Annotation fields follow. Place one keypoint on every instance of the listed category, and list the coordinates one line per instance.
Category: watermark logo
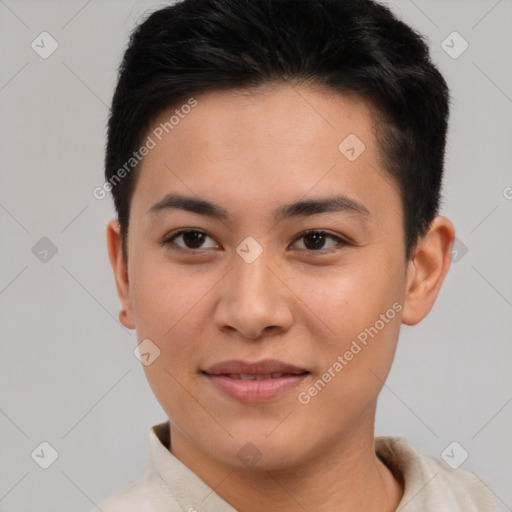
(44, 250)
(459, 250)
(44, 45)
(44, 455)
(454, 45)
(249, 250)
(454, 455)
(249, 455)
(146, 352)
(352, 147)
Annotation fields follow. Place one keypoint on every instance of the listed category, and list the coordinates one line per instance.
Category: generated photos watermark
(151, 142)
(355, 348)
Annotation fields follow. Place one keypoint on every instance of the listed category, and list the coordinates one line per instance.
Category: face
(320, 289)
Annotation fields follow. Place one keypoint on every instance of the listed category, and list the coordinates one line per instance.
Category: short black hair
(349, 46)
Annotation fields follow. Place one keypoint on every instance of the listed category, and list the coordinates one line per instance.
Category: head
(237, 120)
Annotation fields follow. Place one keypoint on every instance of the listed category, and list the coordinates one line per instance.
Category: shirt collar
(187, 488)
(427, 482)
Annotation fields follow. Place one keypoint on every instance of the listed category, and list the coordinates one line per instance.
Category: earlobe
(120, 269)
(427, 270)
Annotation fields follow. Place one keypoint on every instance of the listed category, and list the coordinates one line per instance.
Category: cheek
(165, 296)
(347, 298)
(354, 313)
(167, 306)
(171, 308)
(355, 354)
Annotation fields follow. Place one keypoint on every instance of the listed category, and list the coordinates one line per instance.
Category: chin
(260, 453)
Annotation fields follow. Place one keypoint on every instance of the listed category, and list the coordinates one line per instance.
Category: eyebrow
(339, 203)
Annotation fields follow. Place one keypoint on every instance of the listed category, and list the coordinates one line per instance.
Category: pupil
(193, 238)
(318, 240)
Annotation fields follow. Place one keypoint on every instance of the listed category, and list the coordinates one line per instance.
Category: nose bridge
(251, 275)
(253, 297)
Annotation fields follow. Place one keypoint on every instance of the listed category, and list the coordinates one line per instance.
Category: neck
(345, 476)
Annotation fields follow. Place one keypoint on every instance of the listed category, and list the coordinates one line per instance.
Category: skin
(250, 153)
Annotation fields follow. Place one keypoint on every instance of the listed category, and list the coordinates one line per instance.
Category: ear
(120, 269)
(427, 270)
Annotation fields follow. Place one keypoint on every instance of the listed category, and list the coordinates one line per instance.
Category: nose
(255, 300)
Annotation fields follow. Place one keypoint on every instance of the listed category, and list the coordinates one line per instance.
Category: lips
(267, 367)
(255, 382)
(246, 376)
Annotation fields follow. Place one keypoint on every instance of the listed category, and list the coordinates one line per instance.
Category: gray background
(68, 375)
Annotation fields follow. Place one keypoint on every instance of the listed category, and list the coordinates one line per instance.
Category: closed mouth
(246, 376)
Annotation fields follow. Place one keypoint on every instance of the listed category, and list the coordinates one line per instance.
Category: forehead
(279, 115)
(254, 147)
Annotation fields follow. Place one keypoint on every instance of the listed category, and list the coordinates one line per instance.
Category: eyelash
(169, 240)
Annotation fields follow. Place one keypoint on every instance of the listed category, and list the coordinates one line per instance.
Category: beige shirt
(170, 486)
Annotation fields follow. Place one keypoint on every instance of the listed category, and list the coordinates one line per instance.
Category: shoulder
(430, 484)
(142, 494)
(127, 499)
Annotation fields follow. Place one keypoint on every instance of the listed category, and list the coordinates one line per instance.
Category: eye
(314, 241)
(191, 238)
